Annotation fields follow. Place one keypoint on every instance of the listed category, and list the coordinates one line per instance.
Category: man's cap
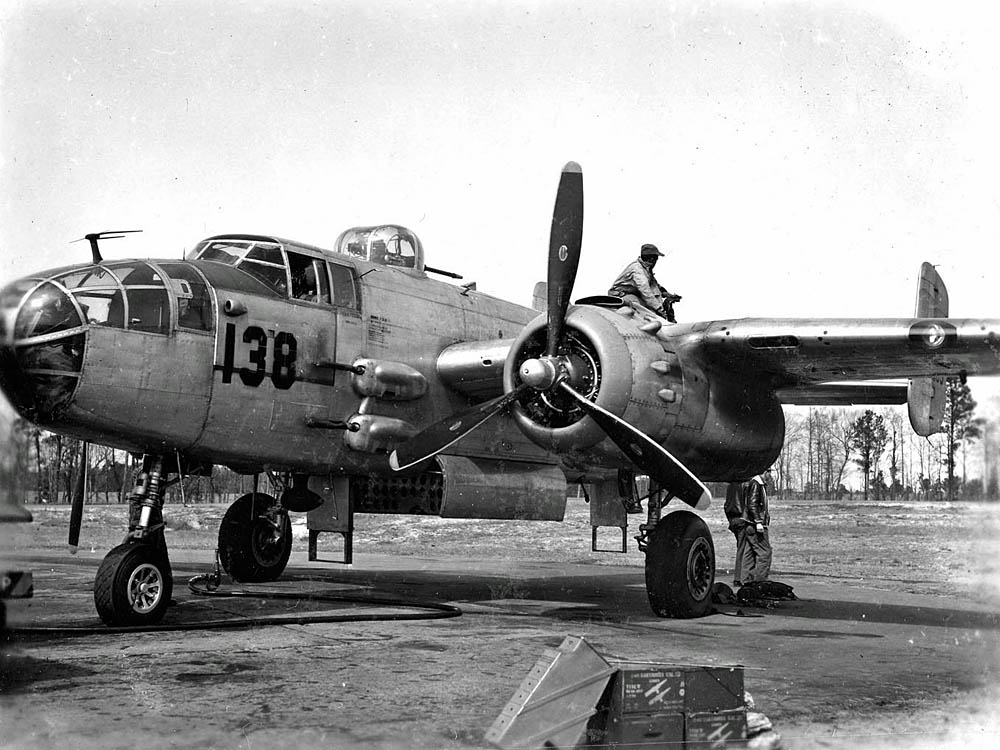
(649, 251)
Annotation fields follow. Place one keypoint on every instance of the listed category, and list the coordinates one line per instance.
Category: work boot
(632, 505)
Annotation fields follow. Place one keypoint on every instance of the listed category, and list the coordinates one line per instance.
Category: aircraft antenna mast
(110, 234)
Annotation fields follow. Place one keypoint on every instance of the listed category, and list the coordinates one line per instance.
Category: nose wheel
(133, 585)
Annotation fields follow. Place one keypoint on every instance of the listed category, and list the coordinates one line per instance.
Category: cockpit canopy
(289, 269)
(387, 244)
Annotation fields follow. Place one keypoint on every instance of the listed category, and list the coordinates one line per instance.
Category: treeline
(828, 454)
(42, 467)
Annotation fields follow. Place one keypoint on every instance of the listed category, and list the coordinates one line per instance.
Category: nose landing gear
(134, 583)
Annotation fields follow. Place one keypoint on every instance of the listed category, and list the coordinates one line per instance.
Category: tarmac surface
(850, 664)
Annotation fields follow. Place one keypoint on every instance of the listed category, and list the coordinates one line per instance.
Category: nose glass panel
(10, 303)
(47, 310)
(41, 357)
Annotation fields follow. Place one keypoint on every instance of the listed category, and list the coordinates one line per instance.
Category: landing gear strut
(680, 562)
(134, 583)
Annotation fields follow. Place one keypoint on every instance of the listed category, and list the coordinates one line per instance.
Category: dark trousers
(753, 555)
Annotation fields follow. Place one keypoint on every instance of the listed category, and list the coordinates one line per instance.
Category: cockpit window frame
(264, 271)
(339, 272)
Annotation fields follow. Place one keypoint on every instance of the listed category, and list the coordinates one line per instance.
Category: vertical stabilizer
(932, 295)
(540, 296)
(926, 396)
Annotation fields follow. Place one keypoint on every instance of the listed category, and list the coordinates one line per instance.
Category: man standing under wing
(754, 545)
(734, 509)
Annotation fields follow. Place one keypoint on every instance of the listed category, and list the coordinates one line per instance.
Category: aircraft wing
(833, 358)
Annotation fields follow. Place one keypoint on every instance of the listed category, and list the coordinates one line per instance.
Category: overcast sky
(795, 158)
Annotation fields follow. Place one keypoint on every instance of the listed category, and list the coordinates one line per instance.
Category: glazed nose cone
(41, 347)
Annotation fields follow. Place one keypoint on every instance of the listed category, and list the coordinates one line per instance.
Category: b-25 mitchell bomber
(358, 384)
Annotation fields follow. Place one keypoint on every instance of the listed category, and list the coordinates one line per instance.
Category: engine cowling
(608, 359)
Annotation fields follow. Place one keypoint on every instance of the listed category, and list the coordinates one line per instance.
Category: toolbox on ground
(667, 706)
(573, 697)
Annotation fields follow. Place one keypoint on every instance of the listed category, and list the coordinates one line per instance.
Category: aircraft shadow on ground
(619, 596)
(888, 614)
(610, 595)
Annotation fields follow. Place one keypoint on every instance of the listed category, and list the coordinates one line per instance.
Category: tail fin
(540, 296)
(925, 396)
(932, 295)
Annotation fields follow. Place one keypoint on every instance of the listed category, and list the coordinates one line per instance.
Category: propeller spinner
(551, 370)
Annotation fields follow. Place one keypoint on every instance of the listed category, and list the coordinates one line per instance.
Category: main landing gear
(255, 539)
(680, 562)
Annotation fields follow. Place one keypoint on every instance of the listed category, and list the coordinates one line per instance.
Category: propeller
(434, 439)
(550, 371)
(647, 454)
(565, 239)
(79, 492)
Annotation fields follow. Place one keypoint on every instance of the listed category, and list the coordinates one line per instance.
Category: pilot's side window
(319, 267)
(344, 288)
(265, 263)
(309, 281)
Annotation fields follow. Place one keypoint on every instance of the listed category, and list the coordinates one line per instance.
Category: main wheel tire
(680, 566)
(133, 585)
(251, 549)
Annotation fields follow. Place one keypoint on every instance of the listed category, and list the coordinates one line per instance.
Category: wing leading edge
(809, 355)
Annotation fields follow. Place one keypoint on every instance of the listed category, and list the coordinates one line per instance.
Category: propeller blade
(564, 250)
(434, 439)
(79, 492)
(651, 457)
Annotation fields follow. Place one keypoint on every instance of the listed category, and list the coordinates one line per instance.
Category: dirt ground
(894, 643)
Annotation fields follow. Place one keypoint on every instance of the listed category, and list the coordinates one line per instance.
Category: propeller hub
(540, 373)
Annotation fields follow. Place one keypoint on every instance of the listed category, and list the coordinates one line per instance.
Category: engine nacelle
(721, 429)
(610, 362)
